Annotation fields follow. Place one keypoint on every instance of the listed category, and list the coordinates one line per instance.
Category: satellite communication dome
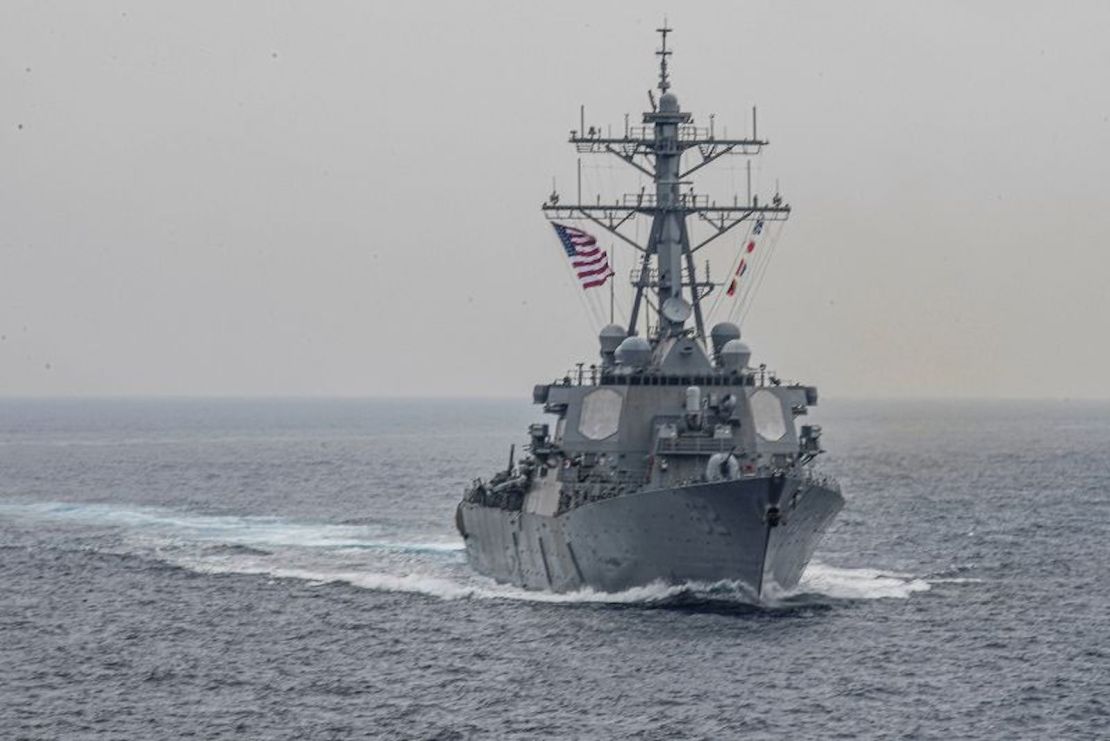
(668, 103)
(735, 355)
(634, 352)
(610, 338)
(721, 334)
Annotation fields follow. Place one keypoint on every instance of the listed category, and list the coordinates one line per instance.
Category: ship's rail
(638, 276)
(595, 375)
(694, 445)
(650, 200)
(618, 478)
(817, 477)
(641, 140)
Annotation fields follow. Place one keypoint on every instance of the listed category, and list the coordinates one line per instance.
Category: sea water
(290, 569)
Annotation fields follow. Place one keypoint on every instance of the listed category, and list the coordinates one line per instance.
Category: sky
(342, 198)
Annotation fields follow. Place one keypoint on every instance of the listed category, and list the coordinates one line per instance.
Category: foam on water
(366, 557)
(819, 580)
(446, 587)
(859, 583)
(225, 529)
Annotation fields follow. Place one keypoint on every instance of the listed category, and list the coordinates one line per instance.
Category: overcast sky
(342, 198)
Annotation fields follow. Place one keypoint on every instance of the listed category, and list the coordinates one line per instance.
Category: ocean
(286, 569)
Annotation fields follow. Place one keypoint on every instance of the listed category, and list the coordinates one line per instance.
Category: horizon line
(487, 397)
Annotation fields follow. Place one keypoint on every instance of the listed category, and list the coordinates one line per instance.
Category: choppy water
(289, 569)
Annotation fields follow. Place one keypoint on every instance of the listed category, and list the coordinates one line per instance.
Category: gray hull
(707, 532)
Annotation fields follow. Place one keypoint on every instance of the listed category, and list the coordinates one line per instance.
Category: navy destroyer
(672, 459)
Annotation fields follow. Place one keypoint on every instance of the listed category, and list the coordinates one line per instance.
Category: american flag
(588, 260)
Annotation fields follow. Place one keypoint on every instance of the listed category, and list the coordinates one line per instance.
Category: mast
(656, 150)
(668, 222)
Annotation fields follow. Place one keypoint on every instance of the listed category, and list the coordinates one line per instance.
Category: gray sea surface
(290, 569)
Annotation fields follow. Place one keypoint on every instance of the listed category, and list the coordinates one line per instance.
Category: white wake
(370, 556)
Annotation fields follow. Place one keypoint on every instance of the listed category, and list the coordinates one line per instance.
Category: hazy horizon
(524, 400)
(342, 200)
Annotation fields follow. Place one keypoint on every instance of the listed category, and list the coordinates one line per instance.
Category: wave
(373, 556)
(819, 584)
(855, 583)
(232, 549)
(244, 530)
(446, 587)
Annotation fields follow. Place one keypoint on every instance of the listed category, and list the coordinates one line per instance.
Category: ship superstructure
(671, 459)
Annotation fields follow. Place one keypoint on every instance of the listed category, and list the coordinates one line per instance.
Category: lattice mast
(656, 149)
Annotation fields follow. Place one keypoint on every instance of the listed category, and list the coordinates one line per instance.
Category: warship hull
(757, 532)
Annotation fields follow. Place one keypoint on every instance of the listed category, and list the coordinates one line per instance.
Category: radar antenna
(663, 53)
(666, 271)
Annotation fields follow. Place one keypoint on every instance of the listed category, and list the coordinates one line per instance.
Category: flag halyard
(748, 248)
